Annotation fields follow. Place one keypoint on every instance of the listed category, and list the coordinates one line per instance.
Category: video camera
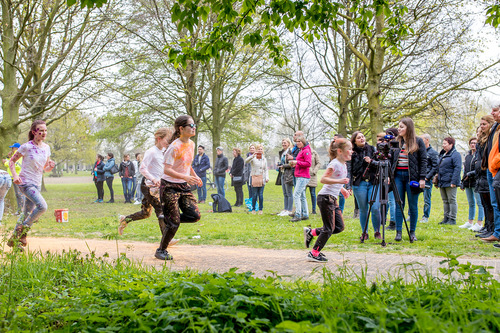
(384, 148)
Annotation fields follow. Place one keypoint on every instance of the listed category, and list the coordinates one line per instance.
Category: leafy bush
(71, 293)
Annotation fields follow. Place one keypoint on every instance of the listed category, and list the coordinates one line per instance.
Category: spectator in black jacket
(409, 167)
(432, 161)
(237, 176)
(362, 183)
(449, 167)
(482, 186)
(98, 176)
(201, 163)
(127, 173)
(220, 168)
(469, 184)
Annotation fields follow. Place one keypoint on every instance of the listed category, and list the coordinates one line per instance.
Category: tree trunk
(374, 78)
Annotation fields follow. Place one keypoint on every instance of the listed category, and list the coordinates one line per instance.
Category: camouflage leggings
(149, 202)
(177, 198)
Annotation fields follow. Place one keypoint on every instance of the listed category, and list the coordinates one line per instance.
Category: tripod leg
(397, 198)
(371, 202)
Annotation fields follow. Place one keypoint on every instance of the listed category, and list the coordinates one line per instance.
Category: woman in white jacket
(260, 177)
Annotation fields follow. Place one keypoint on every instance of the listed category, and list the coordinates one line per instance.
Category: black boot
(444, 221)
(399, 236)
(392, 225)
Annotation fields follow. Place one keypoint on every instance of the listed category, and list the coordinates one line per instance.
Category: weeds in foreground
(75, 293)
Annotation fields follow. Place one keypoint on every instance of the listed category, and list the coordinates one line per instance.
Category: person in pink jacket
(302, 164)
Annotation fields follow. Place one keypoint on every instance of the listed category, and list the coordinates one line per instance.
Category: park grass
(100, 221)
(74, 293)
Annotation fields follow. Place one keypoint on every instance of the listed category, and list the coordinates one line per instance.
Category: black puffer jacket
(481, 178)
(469, 181)
(417, 161)
(357, 165)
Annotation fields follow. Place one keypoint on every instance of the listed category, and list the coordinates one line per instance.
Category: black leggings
(149, 202)
(177, 198)
(109, 182)
(488, 210)
(239, 194)
(333, 222)
(100, 189)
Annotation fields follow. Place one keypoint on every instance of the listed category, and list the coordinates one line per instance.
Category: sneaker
(320, 258)
(497, 245)
(254, 212)
(296, 219)
(451, 222)
(305, 218)
(163, 255)
(424, 220)
(173, 242)
(282, 213)
(100, 201)
(466, 225)
(364, 237)
(412, 236)
(260, 212)
(444, 221)
(377, 235)
(308, 237)
(110, 201)
(137, 202)
(392, 225)
(123, 224)
(399, 236)
(476, 227)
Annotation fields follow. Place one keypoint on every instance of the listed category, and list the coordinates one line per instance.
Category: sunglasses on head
(193, 125)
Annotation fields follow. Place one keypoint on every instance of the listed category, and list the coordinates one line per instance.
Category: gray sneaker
(163, 255)
(424, 220)
(320, 258)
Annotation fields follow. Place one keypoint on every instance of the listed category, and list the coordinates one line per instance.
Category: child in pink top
(176, 183)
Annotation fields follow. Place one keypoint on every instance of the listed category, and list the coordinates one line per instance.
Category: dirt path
(289, 263)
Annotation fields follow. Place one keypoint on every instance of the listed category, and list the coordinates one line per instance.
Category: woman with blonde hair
(286, 177)
(259, 176)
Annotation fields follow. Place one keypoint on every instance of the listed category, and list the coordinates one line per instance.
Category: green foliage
(70, 292)
(493, 13)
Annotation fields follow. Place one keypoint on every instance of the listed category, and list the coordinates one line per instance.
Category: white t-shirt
(180, 156)
(34, 159)
(339, 172)
(152, 164)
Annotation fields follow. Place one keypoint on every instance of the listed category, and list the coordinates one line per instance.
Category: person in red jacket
(302, 165)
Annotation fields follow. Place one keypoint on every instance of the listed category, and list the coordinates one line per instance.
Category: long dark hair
(31, 136)
(411, 136)
(180, 121)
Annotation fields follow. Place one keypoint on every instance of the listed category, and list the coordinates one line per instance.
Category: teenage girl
(334, 179)
(176, 183)
(36, 160)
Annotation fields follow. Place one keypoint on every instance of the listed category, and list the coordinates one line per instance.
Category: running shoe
(320, 258)
(308, 237)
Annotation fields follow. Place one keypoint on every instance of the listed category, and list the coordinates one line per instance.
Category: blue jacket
(201, 167)
(109, 164)
(449, 168)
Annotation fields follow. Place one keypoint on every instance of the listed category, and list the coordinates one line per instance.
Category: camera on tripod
(384, 147)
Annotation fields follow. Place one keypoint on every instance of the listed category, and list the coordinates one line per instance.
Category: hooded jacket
(303, 162)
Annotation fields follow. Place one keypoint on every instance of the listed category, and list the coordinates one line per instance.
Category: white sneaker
(476, 227)
(424, 220)
(137, 202)
(284, 213)
(466, 225)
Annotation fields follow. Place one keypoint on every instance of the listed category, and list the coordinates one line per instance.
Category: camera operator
(469, 184)
(362, 183)
(409, 167)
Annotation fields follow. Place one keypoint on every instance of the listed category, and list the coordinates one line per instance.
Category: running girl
(334, 179)
(152, 170)
(35, 154)
(175, 183)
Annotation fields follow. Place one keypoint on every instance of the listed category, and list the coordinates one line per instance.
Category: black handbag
(278, 179)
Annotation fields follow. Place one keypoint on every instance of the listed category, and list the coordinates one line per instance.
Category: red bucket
(62, 215)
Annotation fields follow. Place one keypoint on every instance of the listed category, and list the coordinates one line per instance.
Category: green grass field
(89, 220)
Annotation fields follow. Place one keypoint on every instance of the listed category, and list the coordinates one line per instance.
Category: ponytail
(179, 122)
(341, 144)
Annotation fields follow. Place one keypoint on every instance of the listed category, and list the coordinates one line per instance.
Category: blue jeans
(392, 206)
(341, 202)
(138, 193)
(19, 198)
(134, 187)
(299, 196)
(258, 192)
(402, 180)
(287, 194)
(34, 204)
(250, 188)
(472, 199)
(202, 191)
(5, 184)
(219, 182)
(127, 184)
(496, 211)
(427, 199)
(313, 198)
(363, 193)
